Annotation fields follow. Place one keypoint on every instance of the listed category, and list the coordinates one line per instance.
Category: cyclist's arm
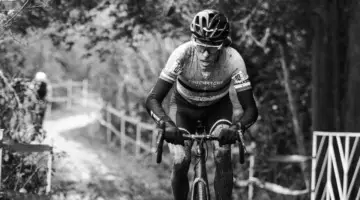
(243, 89)
(248, 104)
(164, 83)
(155, 99)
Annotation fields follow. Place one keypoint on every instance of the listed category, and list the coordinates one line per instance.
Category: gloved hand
(228, 135)
(173, 134)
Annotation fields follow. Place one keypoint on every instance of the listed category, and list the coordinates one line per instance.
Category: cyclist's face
(207, 55)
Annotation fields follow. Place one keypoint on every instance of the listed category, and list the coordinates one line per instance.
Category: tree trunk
(352, 102)
(329, 56)
(336, 72)
(294, 112)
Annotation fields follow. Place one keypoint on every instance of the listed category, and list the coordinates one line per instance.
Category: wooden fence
(110, 115)
(140, 148)
(70, 98)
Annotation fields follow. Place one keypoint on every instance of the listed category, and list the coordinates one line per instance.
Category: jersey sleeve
(240, 77)
(174, 64)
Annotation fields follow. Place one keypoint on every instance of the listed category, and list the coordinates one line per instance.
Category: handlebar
(199, 137)
(160, 143)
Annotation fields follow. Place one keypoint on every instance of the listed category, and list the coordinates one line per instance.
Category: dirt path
(77, 160)
(86, 168)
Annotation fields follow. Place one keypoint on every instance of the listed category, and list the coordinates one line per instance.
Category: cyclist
(203, 69)
(40, 85)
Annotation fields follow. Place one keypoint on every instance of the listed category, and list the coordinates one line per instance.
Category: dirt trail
(78, 161)
(86, 168)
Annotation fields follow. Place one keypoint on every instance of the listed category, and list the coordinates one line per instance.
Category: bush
(19, 171)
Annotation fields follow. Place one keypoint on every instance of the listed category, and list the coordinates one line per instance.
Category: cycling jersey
(201, 90)
(42, 90)
(204, 86)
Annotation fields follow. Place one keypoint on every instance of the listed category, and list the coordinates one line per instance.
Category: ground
(86, 167)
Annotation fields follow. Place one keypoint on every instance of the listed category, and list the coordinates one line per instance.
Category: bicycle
(200, 187)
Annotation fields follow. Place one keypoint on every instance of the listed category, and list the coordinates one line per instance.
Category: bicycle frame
(200, 186)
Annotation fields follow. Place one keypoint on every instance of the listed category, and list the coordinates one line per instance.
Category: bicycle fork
(200, 188)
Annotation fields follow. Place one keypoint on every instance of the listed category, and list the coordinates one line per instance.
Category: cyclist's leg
(220, 116)
(42, 111)
(182, 115)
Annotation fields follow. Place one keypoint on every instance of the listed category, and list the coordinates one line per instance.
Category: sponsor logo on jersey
(178, 67)
(239, 77)
(206, 83)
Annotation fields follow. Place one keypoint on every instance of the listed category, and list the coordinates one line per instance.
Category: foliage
(24, 172)
(121, 47)
(20, 171)
(12, 58)
(16, 102)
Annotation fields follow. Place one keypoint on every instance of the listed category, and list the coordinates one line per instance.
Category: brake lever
(241, 140)
(160, 142)
(242, 147)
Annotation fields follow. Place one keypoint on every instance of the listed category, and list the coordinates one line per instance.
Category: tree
(336, 70)
(352, 102)
(123, 45)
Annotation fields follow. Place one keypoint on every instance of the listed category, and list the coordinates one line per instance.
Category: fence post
(251, 173)
(313, 166)
(108, 121)
(85, 88)
(49, 165)
(69, 93)
(122, 139)
(1, 138)
(138, 140)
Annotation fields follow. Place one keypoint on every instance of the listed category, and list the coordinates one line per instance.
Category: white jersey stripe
(192, 96)
(167, 77)
(242, 85)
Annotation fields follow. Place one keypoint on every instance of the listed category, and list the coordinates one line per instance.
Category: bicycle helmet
(41, 77)
(210, 28)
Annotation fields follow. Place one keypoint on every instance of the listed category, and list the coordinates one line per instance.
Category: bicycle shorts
(186, 115)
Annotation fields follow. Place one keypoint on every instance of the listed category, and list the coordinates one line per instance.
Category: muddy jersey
(204, 86)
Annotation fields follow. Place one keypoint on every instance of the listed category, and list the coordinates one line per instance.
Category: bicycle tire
(200, 192)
